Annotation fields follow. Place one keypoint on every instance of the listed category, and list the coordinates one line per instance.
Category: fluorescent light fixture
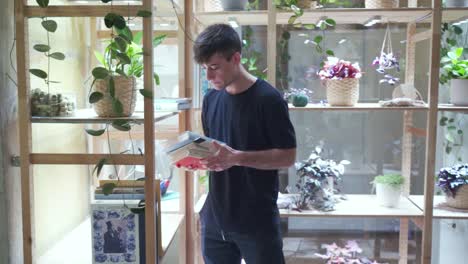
(164, 24)
(303, 35)
(372, 21)
(342, 41)
(233, 22)
(306, 41)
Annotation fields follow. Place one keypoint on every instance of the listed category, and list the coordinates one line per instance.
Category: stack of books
(188, 151)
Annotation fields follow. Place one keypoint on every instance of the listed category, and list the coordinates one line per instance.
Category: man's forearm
(266, 159)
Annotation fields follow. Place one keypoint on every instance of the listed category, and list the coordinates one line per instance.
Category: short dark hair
(217, 38)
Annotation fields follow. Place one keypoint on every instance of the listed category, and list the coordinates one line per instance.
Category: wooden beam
(271, 46)
(432, 131)
(170, 34)
(421, 36)
(121, 159)
(24, 127)
(81, 11)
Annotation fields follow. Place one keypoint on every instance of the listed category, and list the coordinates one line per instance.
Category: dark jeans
(230, 247)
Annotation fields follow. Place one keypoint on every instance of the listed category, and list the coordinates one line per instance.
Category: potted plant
(298, 97)
(388, 189)
(342, 81)
(344, 255)
(453, 181)
(455, 69)
(317, 182)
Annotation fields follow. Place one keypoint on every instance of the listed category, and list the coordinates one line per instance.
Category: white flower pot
(459, 91)
(388, 195)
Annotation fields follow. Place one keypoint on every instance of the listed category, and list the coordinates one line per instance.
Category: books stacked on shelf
(124, 190)
(171, 104)
(189, 149)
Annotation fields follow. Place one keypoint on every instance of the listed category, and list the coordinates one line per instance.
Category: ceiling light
(342, 41)
(306, 41)
(372, 21)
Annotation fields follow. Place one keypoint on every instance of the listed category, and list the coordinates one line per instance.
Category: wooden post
(152, 212)
(24, 126)
(185, 123)
(431, 131)
(271, 46)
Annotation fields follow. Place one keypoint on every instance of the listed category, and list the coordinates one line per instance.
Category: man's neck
(242, 83)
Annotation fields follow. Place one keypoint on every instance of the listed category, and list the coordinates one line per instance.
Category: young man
(240, 218)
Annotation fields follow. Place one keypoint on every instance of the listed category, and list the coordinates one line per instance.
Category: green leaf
(158, 40)
(100, 58)
(452, 55)
(94, 97)
(330, 52)
(309, 26)
(119, 22)
(323, 26)
(457, 30)
(111, 87)
(138, 36)
(451, 128)
(127, 33)
(445, 60)
(449, 138)
(117, 106)
(121, 43)
(297, 25)
(123, 58)
(330, 22)
(244, 60)
(292, 19)
(146, 93)
(286, 35)
(156, 78)
(119, 71)
(95, 133)
(109, 19)
(100, 73)
(99, 166)
(443, 121)
(451, 120)
(108, 188)
(41, 47)
(39, 73)
(459, 131)
(459, 52)
(448, 149)
(318, 39)
(57, 55)
(121, 125)
(43, 3)
(49, 25)
(106, 1)
(143, 13)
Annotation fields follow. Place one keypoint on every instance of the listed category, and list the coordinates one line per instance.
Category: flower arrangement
(317, 181)
(344, 255)
(337, 69)
(298, 96)
(452, 178)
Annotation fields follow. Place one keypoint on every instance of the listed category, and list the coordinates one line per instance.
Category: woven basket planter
(381, 4)
(125, 91)
(344, 92)
(460, 201)
(307, 4)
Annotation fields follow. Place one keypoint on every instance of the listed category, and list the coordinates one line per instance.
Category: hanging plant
(387, 60)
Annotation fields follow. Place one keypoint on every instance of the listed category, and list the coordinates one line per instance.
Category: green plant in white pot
(455, 69)
(388, 189)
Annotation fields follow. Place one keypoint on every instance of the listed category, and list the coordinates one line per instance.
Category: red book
(191, 163)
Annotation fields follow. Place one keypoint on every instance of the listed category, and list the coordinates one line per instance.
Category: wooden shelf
(355, 206)
(451, 107)
(361, 206)
(88, 116)
(341, 16)
(440, 210)
(357, 107)
(454, 14)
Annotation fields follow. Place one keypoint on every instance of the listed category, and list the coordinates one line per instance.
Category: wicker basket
(381, 3)
(460, 201)
(125, 91)
(343, 92)
(307, 4)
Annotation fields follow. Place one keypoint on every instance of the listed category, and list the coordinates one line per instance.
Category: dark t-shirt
(243, 199)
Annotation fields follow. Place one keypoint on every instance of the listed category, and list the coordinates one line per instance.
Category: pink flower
(337, 69)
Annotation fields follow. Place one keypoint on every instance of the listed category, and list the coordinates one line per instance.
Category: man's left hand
(224, 158)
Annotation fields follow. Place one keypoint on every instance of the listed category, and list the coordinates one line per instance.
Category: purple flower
(337, 69)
